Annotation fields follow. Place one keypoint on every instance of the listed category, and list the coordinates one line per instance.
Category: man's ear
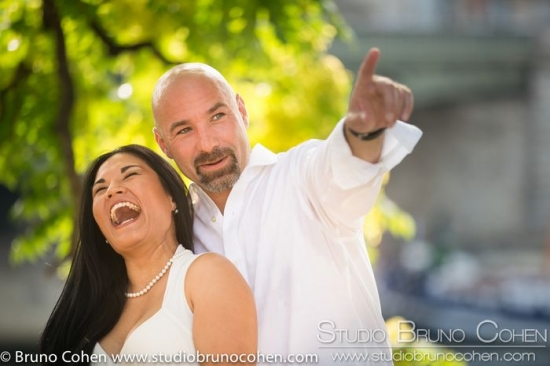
(161, 143)
(242, 109)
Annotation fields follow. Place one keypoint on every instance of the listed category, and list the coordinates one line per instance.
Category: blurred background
(462, 233)
(478, 183)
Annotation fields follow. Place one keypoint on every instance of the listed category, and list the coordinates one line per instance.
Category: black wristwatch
(367, 136)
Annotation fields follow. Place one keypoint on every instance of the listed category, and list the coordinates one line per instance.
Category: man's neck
(219, 199)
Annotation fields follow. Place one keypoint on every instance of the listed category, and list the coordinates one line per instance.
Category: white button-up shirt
(293, 227)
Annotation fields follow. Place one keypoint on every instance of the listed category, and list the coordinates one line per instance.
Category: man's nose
(207, 141)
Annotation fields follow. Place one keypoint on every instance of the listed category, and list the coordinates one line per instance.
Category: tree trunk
(52, 22)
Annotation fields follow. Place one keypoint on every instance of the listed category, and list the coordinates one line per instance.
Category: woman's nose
(114, 189)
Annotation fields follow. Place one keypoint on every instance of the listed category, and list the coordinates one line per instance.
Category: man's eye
(185, 130)
(217, 116)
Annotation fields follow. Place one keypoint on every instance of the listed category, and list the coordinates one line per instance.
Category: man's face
(203, 128)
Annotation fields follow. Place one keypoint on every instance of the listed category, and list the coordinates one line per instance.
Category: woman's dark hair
(93, 297)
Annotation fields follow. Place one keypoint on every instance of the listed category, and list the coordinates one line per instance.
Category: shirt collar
(261, 156)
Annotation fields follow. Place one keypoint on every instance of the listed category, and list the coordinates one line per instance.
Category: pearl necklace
(157, 278)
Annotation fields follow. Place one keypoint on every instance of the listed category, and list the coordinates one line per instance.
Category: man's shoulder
(302, 149)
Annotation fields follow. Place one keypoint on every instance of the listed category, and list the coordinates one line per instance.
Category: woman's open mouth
(124, 212)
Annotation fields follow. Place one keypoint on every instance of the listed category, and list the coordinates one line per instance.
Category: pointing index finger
(369, 65)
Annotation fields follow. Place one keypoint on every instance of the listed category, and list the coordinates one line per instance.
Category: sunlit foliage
(77, 77)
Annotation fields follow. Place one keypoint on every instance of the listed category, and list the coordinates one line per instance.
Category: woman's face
(130, 204)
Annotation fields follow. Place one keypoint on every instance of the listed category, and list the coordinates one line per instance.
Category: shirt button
(213, 219)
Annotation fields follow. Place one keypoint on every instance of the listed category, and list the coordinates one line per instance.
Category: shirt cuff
(350, 171)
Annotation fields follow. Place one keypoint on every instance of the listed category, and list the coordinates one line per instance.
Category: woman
(135, 288)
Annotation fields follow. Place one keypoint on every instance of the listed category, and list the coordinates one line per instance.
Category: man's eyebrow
(122, 170)
(212, 109)
(216, 106)
(177, 124)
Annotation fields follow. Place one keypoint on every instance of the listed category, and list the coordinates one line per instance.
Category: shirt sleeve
(343, 188)
(350, 171)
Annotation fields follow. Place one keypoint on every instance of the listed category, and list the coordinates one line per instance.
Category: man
(291, 222)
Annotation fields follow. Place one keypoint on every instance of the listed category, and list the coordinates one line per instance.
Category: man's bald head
(179, 74)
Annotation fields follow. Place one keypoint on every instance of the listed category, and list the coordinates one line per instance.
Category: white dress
(166, 337)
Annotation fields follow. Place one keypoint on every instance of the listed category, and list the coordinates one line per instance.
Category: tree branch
(115, 49)
(21, 74)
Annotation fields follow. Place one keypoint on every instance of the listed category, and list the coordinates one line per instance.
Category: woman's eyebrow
(122, 170)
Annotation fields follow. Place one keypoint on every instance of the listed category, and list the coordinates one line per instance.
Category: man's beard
(222, 179)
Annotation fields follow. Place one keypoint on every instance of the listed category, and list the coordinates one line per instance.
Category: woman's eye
(98, 190)
(131, 174)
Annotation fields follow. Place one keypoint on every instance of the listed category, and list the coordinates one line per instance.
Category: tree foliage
(77, 78)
